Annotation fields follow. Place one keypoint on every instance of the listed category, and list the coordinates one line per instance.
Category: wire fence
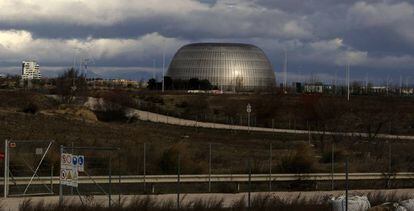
(139, 169)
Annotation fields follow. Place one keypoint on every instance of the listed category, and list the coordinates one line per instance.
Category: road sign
(12, 144)
(68, 170)
(81, 163)
(39, 151)
(75, 160)
(249, 108)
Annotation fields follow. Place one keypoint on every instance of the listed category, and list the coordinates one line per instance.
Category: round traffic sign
(63, 174)
(75, 160)
(80, 160)
(249, 108)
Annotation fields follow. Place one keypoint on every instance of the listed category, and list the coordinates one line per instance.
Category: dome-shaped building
(229, 66)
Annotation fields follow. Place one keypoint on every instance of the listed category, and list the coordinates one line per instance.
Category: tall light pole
(153, 68)
(285, 69)
(388, 83)
(347, 81)
(163, 65)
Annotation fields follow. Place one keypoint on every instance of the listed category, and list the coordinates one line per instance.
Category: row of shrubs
(260, 202)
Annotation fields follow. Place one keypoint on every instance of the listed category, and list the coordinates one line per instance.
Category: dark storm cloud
(375, 36)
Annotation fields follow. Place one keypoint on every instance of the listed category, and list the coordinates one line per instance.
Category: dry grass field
(34, 116)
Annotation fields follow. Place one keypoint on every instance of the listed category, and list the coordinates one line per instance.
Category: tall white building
(30, 70)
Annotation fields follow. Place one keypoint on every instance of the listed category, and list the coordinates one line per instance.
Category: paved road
(159, 118)
(93, 103)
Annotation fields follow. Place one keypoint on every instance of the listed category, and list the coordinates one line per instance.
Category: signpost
(249, 110)
(81, 163)
(70, 165)
(68, 170)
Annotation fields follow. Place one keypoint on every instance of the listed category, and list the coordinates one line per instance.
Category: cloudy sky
(123, 38)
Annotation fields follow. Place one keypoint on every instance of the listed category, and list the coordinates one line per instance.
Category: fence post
(333, 166)
(6, 168)
(71, 188)
(145, 168)
(346, 183)
(51, 178)
(270, 167)
(250, 184)
(110, 180)
(60, 181)
(209, 169)
(119, 179)
(178, 181)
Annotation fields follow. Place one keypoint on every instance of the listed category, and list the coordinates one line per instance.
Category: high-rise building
(30, 70)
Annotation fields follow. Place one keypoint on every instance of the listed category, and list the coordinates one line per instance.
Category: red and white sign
(12, 144)
(68, 170)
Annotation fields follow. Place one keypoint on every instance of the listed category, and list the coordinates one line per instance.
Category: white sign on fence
(81, 163)
(69, 170)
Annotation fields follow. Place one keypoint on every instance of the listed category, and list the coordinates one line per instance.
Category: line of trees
(178, 84)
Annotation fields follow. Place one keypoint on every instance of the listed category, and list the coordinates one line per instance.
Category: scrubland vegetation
(260, 202)
(60, 115)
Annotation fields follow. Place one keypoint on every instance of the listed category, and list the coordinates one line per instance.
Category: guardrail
(216, 178)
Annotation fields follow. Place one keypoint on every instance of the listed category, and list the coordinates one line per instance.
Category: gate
(32, 162)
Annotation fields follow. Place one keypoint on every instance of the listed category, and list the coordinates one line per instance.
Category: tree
(194, 83)
(70, 84)
(152, 84)
(205, 84)
(168, 83)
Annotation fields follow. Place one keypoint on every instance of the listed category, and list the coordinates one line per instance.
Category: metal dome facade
(226, 65)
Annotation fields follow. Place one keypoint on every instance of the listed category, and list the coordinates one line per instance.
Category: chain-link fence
(33, 161)
(180, 167)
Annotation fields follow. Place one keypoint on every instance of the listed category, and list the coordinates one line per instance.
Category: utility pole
(348, 81)
(285, 69)
(388, 83)
(153, 68)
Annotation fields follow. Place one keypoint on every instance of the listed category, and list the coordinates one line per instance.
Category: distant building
(313, 88)
(229, 66)
(407, 91)
(30, 70)
(379, 89)
(2, 75)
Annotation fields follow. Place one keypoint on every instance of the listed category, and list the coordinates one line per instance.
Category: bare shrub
(380, 197)
(302, 160)
(70, 84)
(169, 160)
